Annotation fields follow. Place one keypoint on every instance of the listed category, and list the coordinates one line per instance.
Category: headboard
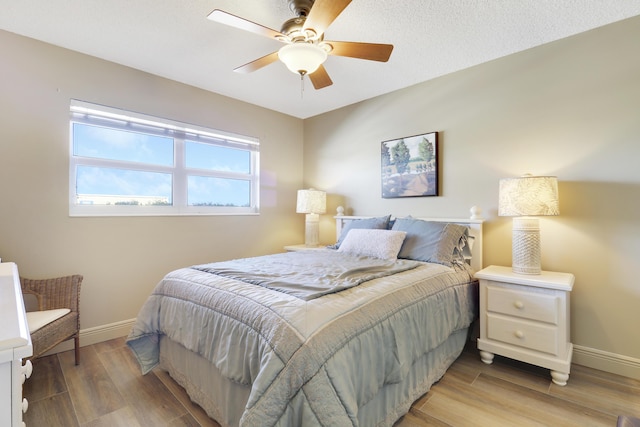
(474, 222)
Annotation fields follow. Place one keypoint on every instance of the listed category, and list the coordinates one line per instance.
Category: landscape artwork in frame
(410, 166)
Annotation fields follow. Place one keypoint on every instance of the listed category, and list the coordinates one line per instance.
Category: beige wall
(123, 258)
(569, 108)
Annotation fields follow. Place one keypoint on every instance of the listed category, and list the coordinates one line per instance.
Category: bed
(350, 335)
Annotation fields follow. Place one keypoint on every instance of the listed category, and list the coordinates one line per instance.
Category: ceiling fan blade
(258, 63)
(320, 78)
(370, 51)
(323, 13)
(244, 24)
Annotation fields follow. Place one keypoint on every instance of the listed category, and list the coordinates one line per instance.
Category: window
(124, 163)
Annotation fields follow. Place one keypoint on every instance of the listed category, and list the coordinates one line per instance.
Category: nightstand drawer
(543, 307)
(534, 336)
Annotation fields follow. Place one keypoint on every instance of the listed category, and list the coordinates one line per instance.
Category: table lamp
(524, 198)
(311, 202)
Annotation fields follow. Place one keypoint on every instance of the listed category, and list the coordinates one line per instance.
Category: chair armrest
(60, 292)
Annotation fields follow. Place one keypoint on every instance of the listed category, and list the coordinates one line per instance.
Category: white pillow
(384, 244)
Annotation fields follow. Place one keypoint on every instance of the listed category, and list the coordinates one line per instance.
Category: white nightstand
(526, 317)
(302, 247)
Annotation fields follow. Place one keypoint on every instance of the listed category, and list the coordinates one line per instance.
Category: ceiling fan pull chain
(301, 86)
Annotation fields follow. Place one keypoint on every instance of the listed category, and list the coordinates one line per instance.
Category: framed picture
(410, 166)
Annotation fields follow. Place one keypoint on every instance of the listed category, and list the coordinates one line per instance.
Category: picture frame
(410, 167)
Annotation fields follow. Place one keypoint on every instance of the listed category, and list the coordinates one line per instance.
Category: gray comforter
(311, 362)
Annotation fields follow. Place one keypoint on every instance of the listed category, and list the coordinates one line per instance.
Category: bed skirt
(202, 381)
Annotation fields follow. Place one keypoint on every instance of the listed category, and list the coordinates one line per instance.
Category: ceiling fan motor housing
(300, 7)
(293, 28)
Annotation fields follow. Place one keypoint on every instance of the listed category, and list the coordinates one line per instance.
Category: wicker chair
(51, 294)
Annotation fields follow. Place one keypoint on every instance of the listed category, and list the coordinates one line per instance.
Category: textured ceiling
(173, 39)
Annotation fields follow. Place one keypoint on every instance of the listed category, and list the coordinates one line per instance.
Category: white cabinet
(15, 344)
(526, 317)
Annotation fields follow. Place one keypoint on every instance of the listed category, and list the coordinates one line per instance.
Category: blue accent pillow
(376, 223)
(430, 241)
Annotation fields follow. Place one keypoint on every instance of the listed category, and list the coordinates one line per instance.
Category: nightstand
(526, 317)
(302, 247)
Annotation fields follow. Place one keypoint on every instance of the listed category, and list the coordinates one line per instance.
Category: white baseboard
(97, 334)
(605, 361)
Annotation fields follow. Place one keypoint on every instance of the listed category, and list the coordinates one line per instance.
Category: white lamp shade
(311, 201)
(528, 196)
(302, 58)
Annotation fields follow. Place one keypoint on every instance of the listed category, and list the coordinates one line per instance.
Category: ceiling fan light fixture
(302, 58)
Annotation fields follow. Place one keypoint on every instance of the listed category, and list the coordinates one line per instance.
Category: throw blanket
(307, 274)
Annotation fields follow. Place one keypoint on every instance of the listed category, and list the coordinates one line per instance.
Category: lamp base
(312, 230)
(526, 245)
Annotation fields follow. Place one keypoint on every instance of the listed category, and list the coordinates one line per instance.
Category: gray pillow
(376, 223)
(429, 241)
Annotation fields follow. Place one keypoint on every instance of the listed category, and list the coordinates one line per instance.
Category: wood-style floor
(107, 389)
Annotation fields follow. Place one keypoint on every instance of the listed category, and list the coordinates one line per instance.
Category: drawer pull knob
(519, 305)
(27, 369)
(519, 334)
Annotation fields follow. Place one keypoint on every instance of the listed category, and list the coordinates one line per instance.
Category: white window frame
(93, 114)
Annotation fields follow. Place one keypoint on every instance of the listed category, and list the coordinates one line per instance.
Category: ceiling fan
(305, 49)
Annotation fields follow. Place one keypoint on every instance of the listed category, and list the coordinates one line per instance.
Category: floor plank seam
(68, 390)
(100, 357)
(186, 410)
